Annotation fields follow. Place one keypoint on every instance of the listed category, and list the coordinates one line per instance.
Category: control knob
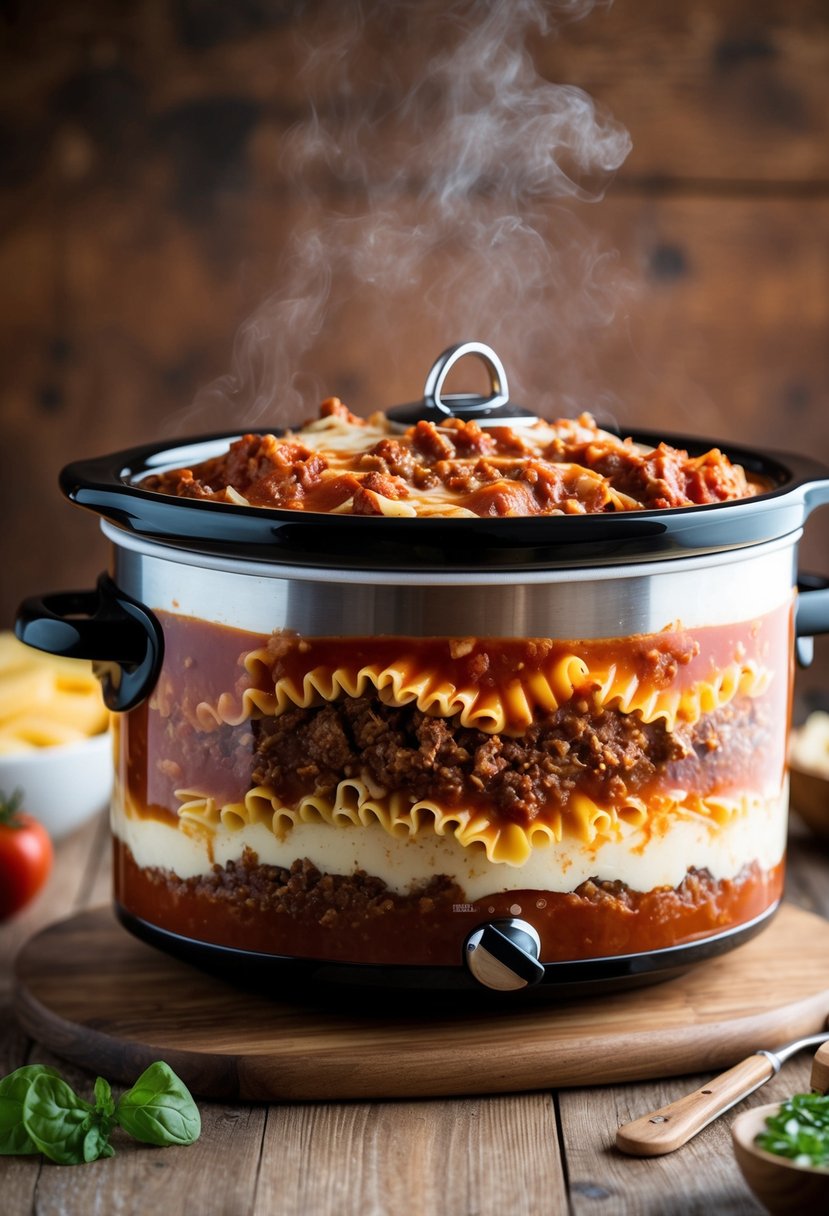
(503, 955)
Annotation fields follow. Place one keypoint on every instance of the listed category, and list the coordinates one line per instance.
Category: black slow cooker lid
(110, 486)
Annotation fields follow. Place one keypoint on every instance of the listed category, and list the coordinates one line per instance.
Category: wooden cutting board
(95, 995)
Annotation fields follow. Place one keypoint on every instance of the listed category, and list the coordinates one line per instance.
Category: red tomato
(25, 856)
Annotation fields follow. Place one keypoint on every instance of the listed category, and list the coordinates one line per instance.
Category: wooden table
(522, 1154)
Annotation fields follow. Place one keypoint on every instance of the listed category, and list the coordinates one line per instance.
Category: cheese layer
(658, 854)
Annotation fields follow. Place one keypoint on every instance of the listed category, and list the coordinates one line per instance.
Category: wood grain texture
(485, 1155)
(144, 1180)
(142, 1005)
(715, 90)
(192, 1180)
(699, 1179)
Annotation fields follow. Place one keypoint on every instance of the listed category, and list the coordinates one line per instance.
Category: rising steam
(446, 164)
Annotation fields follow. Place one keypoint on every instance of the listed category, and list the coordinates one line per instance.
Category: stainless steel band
(624, 601)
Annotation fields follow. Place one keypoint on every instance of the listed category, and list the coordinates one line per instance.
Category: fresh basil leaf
(57, 1120)
(96, 1141)
(104, 1104)
(14, 1139)
(159, 1108)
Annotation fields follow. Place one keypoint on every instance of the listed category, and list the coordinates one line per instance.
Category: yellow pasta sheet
(354, 805)
(508, 709)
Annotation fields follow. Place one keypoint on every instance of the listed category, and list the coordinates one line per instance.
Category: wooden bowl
(809, 772)
(784, 1188)
(810, 799)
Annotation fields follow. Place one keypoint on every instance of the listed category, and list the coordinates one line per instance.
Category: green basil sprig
(40, 1113)
(60, 1124)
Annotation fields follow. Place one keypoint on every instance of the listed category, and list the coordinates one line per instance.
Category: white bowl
(62, 786)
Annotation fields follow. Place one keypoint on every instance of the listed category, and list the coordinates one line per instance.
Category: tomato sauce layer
(303, 913)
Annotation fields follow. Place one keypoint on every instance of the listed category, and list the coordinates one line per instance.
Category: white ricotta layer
(641, 859)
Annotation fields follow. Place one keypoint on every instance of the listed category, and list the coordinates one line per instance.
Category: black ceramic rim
(290, 978)
(108, 486)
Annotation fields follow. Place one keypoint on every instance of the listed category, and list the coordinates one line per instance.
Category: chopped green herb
(799, 1131)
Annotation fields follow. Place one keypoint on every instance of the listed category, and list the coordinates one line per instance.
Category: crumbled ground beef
(303, 892)
(727, 746)
(604, 753)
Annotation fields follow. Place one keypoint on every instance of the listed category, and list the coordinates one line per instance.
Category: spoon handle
(820, 1070)
(671, 1126)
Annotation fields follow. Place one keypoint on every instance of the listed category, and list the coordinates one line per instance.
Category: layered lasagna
(374, 799)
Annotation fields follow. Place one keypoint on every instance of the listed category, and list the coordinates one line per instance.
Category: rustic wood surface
(529, 1153)
(224, 1043)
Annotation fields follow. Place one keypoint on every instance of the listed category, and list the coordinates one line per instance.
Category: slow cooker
(496, 755)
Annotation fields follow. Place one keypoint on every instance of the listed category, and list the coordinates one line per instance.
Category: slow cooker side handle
(811, 614)
(121, 637)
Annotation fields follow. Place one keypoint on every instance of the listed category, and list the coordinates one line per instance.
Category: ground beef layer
(356, 918)
(605, 754)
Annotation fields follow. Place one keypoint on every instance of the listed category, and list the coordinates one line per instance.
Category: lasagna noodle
(354, 805)
(508, 709)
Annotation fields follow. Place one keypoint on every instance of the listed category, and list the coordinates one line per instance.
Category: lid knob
(494, 410)
(503, 955)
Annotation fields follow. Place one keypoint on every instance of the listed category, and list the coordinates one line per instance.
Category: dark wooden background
(143, 212)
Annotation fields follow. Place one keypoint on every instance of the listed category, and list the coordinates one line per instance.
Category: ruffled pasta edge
(353, 805)
(507, 710)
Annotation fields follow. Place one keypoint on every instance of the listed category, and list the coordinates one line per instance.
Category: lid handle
(435, 407)
(466, 406)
